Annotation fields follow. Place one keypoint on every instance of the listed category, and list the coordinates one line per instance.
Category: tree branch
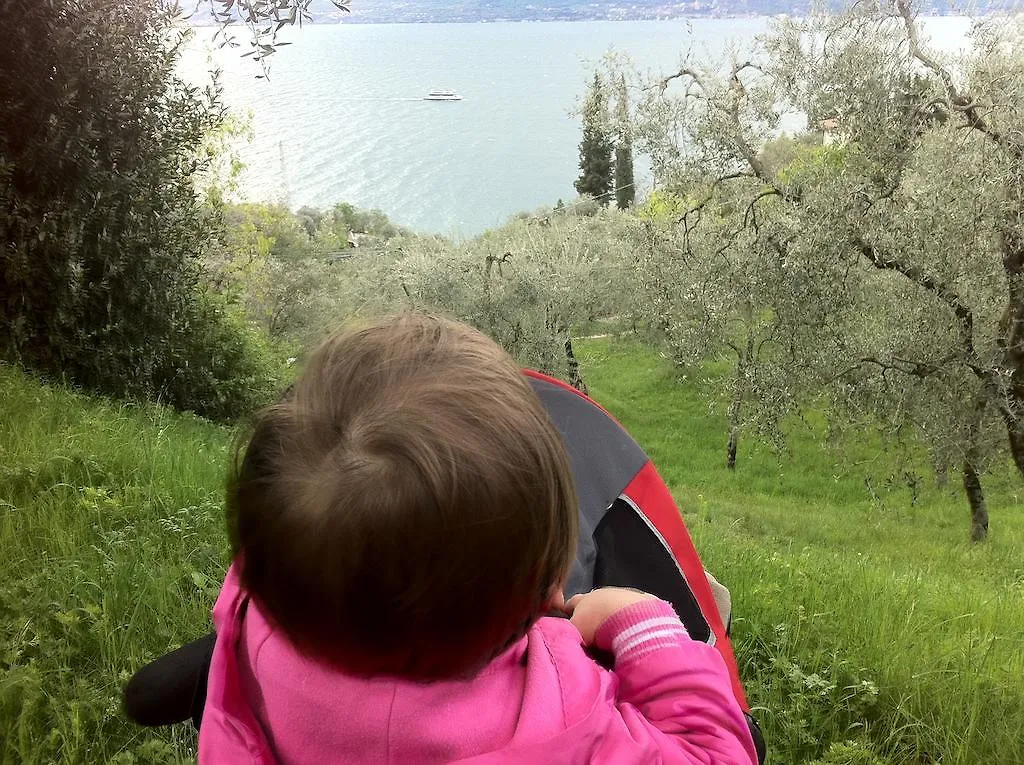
(744, 66)
(907, 14)
(685, 72)
(751, 212)
(920, 277)
(729, 242)
(737, 93)
(842, 374)
(769, 338)
(961, 102)
(697, 208)
(945, 293)
(910, 367)
(731, 110)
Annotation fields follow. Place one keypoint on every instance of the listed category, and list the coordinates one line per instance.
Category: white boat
(442, 95)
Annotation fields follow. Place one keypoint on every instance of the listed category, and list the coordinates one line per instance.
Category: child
(400, 525)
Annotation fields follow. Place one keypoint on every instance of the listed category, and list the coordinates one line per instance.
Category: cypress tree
(625, 188)
(596, 147)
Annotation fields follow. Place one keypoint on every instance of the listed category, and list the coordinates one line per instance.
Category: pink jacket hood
(542, 701)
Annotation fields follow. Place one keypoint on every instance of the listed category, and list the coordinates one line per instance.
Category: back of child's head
(408, 508)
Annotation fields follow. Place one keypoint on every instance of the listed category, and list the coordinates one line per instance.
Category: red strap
(649, 493)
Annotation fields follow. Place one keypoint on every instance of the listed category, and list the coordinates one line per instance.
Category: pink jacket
(542, 701)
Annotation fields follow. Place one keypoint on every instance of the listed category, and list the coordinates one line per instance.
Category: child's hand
(590, 609)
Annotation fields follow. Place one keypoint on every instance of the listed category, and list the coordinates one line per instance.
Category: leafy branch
(956, 100)
(263, 20)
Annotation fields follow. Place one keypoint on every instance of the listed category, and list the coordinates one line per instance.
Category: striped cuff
(639, 629)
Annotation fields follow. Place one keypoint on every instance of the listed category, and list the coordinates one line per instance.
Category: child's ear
(555, 600)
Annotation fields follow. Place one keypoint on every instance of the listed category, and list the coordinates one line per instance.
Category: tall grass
(862, 614)
(110, 551)
(860, 617)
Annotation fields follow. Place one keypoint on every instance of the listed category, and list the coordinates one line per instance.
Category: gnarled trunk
(972, 477)
(976, 498)
(575, 378)
(1015, 434)
(1011, 336)
(745, 358)
(735, 409)
(1012, 394)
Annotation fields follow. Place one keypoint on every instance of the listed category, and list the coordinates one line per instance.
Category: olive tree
(720, 291)
(262, 20)
(528, 284)
(901, 235)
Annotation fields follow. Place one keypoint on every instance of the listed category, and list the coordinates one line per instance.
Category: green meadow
(868, 629)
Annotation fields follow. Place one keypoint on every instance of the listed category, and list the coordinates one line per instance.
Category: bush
(100, 218)
(221, 367)
(350, 219)
(850, 753)
(662, 206)
(529, 284)
(585, 207)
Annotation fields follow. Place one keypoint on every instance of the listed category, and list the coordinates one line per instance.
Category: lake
(342, 119)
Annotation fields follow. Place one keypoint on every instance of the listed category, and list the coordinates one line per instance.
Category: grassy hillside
(856, 619)
(109, 526)
(871, 621)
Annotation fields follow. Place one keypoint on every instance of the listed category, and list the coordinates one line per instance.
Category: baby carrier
(631, 535)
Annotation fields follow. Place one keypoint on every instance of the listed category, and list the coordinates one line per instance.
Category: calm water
(342, 119)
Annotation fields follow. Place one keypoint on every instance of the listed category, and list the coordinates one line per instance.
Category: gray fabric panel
(604, 460)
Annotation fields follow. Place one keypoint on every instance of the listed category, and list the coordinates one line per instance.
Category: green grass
(111, 545)
(858, 619)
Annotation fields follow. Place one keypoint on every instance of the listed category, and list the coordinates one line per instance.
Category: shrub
(102, 223)
(221, 367)
(850, 753)
(585, 207)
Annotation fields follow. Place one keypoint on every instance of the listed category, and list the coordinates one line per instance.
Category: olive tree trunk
(744, 358)
(575, 377)
(972, 475)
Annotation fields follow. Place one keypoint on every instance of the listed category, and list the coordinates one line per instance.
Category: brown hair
(408, 508)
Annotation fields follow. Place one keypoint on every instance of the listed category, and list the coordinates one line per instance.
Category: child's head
(408, 509)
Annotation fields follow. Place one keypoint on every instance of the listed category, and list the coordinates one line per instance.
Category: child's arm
(666, 680)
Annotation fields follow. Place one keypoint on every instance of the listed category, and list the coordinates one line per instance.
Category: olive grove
(879, 264)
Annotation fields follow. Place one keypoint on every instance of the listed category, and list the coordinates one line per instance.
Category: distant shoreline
(350, 21)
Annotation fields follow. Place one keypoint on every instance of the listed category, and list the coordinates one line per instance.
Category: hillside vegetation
(872, 621)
